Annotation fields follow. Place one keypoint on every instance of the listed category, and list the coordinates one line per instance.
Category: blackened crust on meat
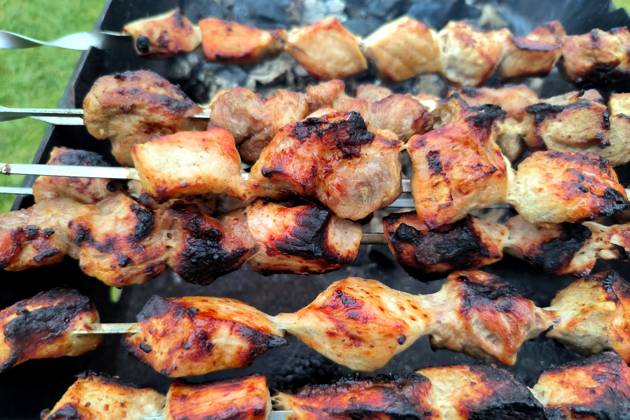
(487, 291)
(509, 399)
(555, 255)
(349, 133)
(34, 328)
(485, 115)
(145, 224)
(65, 412)
(259, 343)
(156, 306)
(614, 202)
(36, 237)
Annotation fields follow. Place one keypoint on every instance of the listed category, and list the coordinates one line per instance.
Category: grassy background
(37, 77)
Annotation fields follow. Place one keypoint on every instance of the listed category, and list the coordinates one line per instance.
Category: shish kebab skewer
(567, 391)
(355, 322)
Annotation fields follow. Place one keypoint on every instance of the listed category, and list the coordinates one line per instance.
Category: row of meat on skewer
(399, 50)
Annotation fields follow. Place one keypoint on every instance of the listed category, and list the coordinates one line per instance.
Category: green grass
(36, 77)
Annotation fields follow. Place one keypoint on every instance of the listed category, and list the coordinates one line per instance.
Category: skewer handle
(60, 116)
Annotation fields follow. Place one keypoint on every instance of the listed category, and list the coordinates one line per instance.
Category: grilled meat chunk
(301, 239)
(38, 235)
(243, 399)
(197, 335)
(190, 163)
(557, 187)
(118, 241)
(371, 92)
(468, 243)
(464, 392)
(202, 248)
(592, 56)
(458, 167)
(42, 327)
(479, 314)
(594, 388)
(594, 315)
(404, 48)
(132, 107)
(469, 57)
(253, 120)
(224, 40)
(163, 35)
(326, 49)
(334, 159)
(83, 190)
(617, 151)
(358, 323)
(513, 99)
(100, 398)
(534, 54)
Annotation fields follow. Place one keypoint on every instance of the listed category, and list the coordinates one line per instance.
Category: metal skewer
(60, 116)
(80, 41)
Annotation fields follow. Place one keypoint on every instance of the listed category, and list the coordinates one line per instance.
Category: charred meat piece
(557, 187)
(592, 56)
(479, 314)
(97, 397)
(196, 335)
(202, 248)
(229, 41)
(469, 57)
(534, 54)
(301, 239)
(38, 235)
(358, 323)
(380, 398)
(594, 388)
(594, 315)
(468, 243)
(559, 249)
(243, 399)
(132, 107)
(190, 163)
(119, 242)
(404, 48)
(334, 159)
(326, 49)
(458, 167)
(42, 327)
(83, 190)
(464, 392)
(163, 35)
(254, 120)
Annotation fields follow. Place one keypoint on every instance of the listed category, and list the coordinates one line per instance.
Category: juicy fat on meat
(132, 107)
(42, 327)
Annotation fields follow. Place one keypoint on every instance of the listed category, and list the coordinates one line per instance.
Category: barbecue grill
(27, 389)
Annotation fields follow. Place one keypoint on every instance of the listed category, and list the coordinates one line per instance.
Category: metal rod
(105, 172)
(109, 328)
(8, 114)
(16, 190)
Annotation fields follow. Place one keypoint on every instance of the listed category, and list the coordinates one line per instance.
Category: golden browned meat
(334, 159)
(618, 149)
(163, 35)
(323, 94)
(358, 323)
(468, 243)
(132, 107)
(37, 235)
(371, 92)
(42, 327)
(592, 55)
(463, 392)
(479, 314)
(253, 120)
(560, 249)
(534, 54)
(594, 315)
(593, 388)
(98, 397)
(243, 399)
(224, 40)
(403, 48)
(557, 187)
(190, 163)
(469, 57)
(300, 239)
(458, 167)
(83, 190)
(196, 335)
(513, 99)
(326, 49)
(118, 241)
(202, 248)
(576, 121)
